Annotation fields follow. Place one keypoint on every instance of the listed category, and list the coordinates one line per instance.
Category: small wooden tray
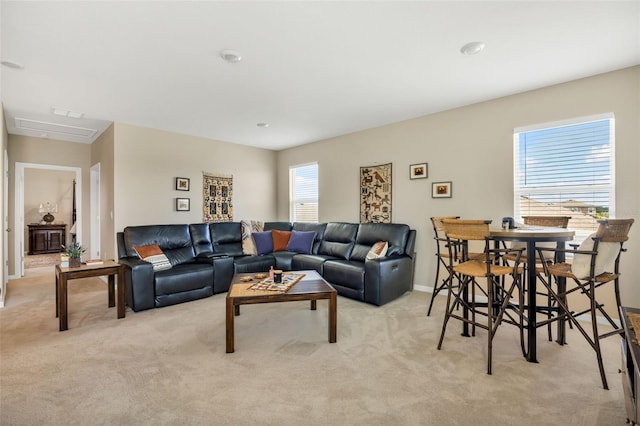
(288, 281)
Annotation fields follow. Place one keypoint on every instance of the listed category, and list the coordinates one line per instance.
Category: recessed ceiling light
(263, 125)
(472, 48)
(230, 56)
(11, 64)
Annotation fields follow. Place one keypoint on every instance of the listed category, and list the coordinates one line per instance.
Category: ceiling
(311, 70)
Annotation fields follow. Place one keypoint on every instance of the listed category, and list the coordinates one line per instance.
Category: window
(566, 169)
(303, 196)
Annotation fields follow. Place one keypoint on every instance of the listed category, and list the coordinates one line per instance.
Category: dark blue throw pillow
(263, 242)
(301, 241)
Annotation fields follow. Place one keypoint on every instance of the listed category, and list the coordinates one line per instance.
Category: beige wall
(42, 186)
(102, 152)
(138, 167)
(147, 161)
(46, 152)
(472, 147)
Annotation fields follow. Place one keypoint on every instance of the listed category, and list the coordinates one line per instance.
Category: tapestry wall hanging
(217, 197)
(375, 194)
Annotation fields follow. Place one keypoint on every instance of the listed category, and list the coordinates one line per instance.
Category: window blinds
(566, 170)
(304, 193)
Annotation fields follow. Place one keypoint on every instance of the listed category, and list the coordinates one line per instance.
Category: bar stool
(498, 308)
(596, 262)
(442, 255)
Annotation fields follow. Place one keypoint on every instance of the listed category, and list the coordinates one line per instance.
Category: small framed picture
(441, 190)
(182, 184)
(183, 204)
(418, 171)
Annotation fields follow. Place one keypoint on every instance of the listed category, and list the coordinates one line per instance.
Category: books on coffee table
(289, 279)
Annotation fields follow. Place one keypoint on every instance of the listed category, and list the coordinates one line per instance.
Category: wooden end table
(109, 268)
(312, 287)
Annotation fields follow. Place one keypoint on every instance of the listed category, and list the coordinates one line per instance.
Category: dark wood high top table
(311, 287)
(532, 235)
(109, 268)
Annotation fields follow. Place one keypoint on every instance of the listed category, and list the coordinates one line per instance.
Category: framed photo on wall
(183, 204)
(418, 171)
(182, 184)
(441, 190)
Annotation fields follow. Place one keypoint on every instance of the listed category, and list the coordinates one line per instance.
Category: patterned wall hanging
(375, 194)
(217, 195)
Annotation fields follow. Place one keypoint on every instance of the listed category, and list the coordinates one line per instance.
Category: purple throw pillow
(263, 242)
(301, 241)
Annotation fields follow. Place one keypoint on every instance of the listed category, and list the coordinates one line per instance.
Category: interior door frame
(95, 225)
(5, 228)
(19, 208)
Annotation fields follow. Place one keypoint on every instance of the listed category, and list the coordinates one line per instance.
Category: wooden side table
(109, 268)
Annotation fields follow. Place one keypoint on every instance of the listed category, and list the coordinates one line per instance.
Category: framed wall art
(441, 190)
(182, 184)
(418, 171)
(375, 194)
(217, 197)
(183, 204)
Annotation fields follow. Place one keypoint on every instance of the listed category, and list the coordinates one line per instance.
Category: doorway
(19, 218)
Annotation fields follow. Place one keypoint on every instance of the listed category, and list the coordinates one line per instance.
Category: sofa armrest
(139, 282)
(387, 278)
(222, 269)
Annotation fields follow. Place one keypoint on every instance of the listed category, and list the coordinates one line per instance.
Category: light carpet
(41, 260)
(168, 366)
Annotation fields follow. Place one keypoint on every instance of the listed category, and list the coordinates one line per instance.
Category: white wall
(147, 161)
(472, 147)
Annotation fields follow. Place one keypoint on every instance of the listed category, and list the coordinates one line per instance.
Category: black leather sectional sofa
(204, 258)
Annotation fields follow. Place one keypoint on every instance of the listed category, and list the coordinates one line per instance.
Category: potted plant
(74, 251)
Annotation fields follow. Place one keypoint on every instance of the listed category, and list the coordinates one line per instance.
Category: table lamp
(48, 208)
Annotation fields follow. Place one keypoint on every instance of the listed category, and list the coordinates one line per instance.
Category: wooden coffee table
(312, 287)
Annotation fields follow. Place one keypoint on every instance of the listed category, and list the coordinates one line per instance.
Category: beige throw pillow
(378, 250)
(247, 242)
(605, 259)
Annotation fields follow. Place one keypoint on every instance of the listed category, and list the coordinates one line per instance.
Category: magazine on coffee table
(288, 280)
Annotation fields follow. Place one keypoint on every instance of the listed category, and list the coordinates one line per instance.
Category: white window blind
(303, 187)
(566, 169)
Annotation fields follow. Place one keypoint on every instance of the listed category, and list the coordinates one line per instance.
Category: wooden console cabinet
(46, 238)
(630, 366)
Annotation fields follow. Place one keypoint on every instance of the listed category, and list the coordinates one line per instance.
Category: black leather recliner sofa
(204, 258)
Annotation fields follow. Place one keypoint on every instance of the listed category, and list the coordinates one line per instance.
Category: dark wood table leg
(532, 279)
(333, 317)
(562, 288)
(62, 302)
(314, 305)
(230, 318)
(57, 296)
(121, 290)
(112, 290)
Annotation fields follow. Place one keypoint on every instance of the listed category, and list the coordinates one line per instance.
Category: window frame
(609, 188)
(293, 201)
